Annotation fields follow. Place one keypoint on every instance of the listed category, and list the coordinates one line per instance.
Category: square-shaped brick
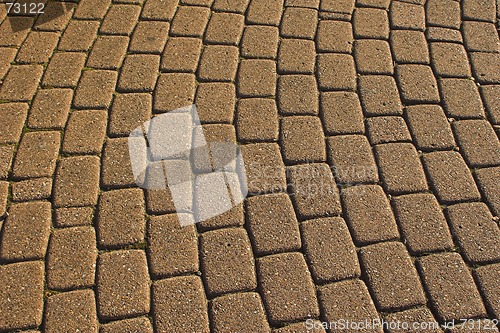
(21, 82)
(95, 89)
(296, 56)
(37, 47)
(157, 9)
(336, 72)
(299, 22)
(128, 112)
(373, 57)
(224, 28)
(256, 78)
(486, 179)
(479, 10)
(32, 189)
(190, 21)
(260, 42)
(387, 129)
(342, 31)
(218, 63)
(443, 13)
(120, 19)
(405, 15)
(298, 94)
(174, 91)
(137, 325)
(379, 95)
(486, 67)
(13, 117)
(64, 69)
(369, 214)
(265, 12)
(409, 47)
(181, 54)
(149, 37)
(85, 132)
(461, 98)
(257, 120)
(287, 286)
(341, 113)
(293, 132)
(371, 23)
(480, 36)
(478, 143)
(417, 84)
(108, 52)
(449, 60)
(488, 277)
(78, 36)
(272, 224)
(139, 73)
(50, 108)
(215, 102)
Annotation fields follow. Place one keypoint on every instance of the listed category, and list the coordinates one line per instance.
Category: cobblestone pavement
(392, 106)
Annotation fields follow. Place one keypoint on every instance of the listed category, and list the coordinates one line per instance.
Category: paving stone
(120, 218)
(172, 249)
(485, 67)
(343, 40)
(95, 89)
(299, 23)
(422, 223)
(227, 261)
(7, 56)
(158, 10)
(295, 149)
(37, 155)
(387, 129)
(173, 91)
(6, 157)
(257, 120)
(429, 127)
(38, 47)
(120, 19)
(50, 108)
(421, 316)
(264, 168)
(78, 36)
(180, 311)
(272, 224)
(449, 60)
(370, 23)
(149, 37)
(242, 311)
(443, 13)
(32, 189)
(74, 216)
(450, 177)
(486, 181)
(22, 238)
(256, 78)
(77, 181)
(236, 6)
(478, 142)
(480, 36)
(296, 56)
(218, 63)
(368, 214)
(13, 117)
(439, 34)
(479, 10)
(137, 325)
(373, 57)
(159, 202)
(461, 98)
(379, 95)
(442, 275)
(417, 84)
(491, 99)
(341, 113)
(128, 112)
(303, 3)
(122, 284)
(190, 21)
(298, 95)
(329, 249)
(343, 7)
(108, 52)
(215, 102)
(348, 300)
(181, 54)
(56, 16)
(91, 9)
(14, 30)
(64, 69)
(409, 47)
(488, 277)
(336, 72)
(265, 12)
(21, 82)
(260, 42)
(287, 287)
(224, 28)
(21, 296)
(85, 132)
(139, 73)
(234, 217)
(406, 15)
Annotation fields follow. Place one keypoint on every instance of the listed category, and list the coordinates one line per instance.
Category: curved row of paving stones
(400, 98)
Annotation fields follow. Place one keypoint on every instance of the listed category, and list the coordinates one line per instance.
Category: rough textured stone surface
(265, 12)
(296, 56)
(181, 54)
(37, 47)
(256, 78)
(341, 113)
(50, 108)
(491, 102)
(78, 36)
(129, 111)
(478, 143)
(406, 15)
(224, 28)
(480, 36)
(64, 69)
(264, 168)
(21, 82)
(295, 148)
(74, 216)
(461, 98)
(32, 189)
(488, 276)
(485, 67)
(343, 40)
(370, 23)
(149, 37)
(215, 102)
(260, 42)
(116, 165)
(218, 63)
(299, 23)
(120, 19)
(257, 120)
(13, 118)
(417, 84)
(387, 129)
(373, 57)
(85, 132)
(138, 73)
(409, 46)
(486, 183)
(173, 91)
(190, 21)
(95, 89)
(429, 127)
(449, 60)
(297, 95)
(379, 95)
(137, 325)
(443, 13)
(336, 72)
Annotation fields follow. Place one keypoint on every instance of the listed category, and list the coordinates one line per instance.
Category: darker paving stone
(224, 28)
(478, 143)
(256, 78)
(128, 112)
(422, 223)
(461, 98)
(190, 21)
(120, 218)
(215, 102)
(343, 41)
(236, 6)
(443, 13)
(450, 177)
(387, 129)
(13, 117)
(439, 34)
(77, 181)
(138, 73)
(91, 9)
(85, 132)
(429, 127)
(56, 16)
(32, 189)
(149, 37)
(479, 10)
(449, 60)
(421, 315)
(257, 120)
(296, 56)
(352, 159)
(6, 157)
(476, 232)
(405, 15)
(341, 113)
(21, 295)
(486, 180)
(174, 310)
(95, 89)
(227, 261)
(37, 47)
(298, 94)
(21, 83)
(409, 47)
(373, 57)
(50, 108)
(158, 9)
(488, 277)
(265, 12)
(486, 67)
(299, 23)
(379, 95)
(480, 36)
(242, 311)
(9, 37)
(371, 23)
(181, 54)
(173, 91)
(336, 72)
(329, 250)
(218, 63)
(442, 275)
(79, 35)
(272, 224)
(108, 52)
(64, 69)
(491, 99)
(122, 284)
(260, 42)
(417, 84)
(120, 19)
(293, 132)
(287, 287)
(37, 154)
(137, 325)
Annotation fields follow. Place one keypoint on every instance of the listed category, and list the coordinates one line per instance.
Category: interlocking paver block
(50, 108)
(329, 249)
(122, 284)
(484, 10)
(352, 159)
(6, 156)
(298, 94)
(95, 89)
(78, 36)
(439, 34)
(296, 56)
(341, 113)
(32, 189)
(85, 132)
(491, 99)
(235, 6)
(443, 13)
(224, 28)
(347, 300)
(369, 214)
(91, 9)
(256, 78)
(71, 258)
(128, 112)
(443, 274)
(120, 19)
(379, 95)
(373, 57)
(77, 181)
(411, 316)
(430, 127)
(302, 139)
(342, 31)
(371, 23)
(461, 98)
(227, 261)
(174, 91)
(260, 42)
(137, 325)
(172, 249)
(181, 54)
(215, 102)
(139, 73)
(264, 168)
(333, 6)
(74, 216)
(239, 312)
(71, 312)
(266, 12)
(26, 231)
(422, 223)
(488, 277)
(417, 84)
(391, 275)
(299, 22)
(387, 129)
(486, 180)
(257, 120)
(64, 70)
(406, 15)
(37, 154)
(21, 82)
(14, 30)
(21, 295)
(476, 232)
(480, 36)
(486, 67)
(409, 47)
(108, 52)
(120, 218)
(336, 72)
(450, 177)
(218, 63)
(449, 60)
(287, 286)
(180, 311)
(158, 9)
(13, 117)
(149, 37)
(478, 143)
(190, 21)
(38, 47)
